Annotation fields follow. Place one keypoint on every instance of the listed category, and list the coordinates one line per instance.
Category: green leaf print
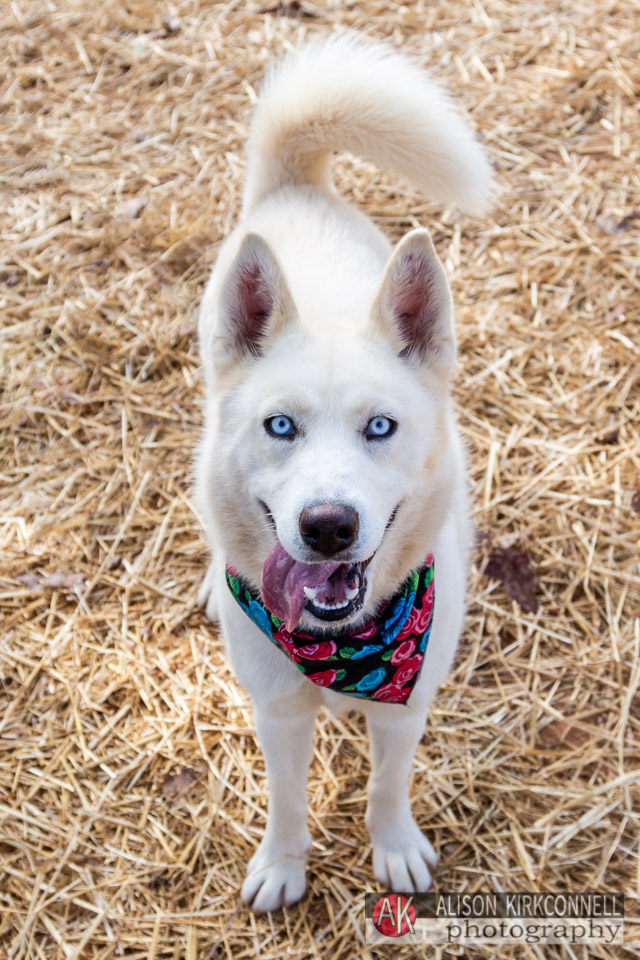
(347, 652)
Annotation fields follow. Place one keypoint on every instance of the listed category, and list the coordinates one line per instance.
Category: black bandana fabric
(380, 661)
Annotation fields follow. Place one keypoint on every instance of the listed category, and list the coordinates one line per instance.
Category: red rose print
(324, 679)
(283, 637)
(424, 619)
(403, 652)
(410, 627)
(305, 636)
(407, 669)
(427, 600)
(318, 651)
(426, 612)
(391, 693)
(365, 633)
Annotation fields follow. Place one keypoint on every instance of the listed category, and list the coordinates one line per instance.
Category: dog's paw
(403, 860)
(207, 596)
(274, 885)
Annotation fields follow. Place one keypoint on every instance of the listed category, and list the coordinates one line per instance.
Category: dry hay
(131, 788)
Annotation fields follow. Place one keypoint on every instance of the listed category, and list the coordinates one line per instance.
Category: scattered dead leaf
(130, 210)
(611, 438)
(511, 566)
(563, 733)
(69, 581)
(293, 9)
(30, 580)
(176, 786)
(626, 222)
(635, 502)
(159, 880)
(611, 225)
(55, 581)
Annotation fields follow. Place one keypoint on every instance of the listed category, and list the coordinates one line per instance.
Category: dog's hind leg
(403, 858)
(276, 875)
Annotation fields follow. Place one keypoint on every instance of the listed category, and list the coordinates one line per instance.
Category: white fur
(345, 95)
(330, 358)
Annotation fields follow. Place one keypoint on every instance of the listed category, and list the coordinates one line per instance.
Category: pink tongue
(284, 580)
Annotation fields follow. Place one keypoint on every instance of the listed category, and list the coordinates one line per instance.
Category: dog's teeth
(329, 606)
(310, 593)
(351, 594)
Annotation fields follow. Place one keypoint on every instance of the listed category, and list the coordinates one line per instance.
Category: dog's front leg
(207, 597)
(276, 874)
(402, 855)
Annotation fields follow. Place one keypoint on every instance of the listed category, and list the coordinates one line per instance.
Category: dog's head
(330, 473)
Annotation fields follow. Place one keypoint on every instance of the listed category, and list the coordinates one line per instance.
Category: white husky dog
(331, 464)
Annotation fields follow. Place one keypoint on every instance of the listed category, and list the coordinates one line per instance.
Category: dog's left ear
(254, 303)
(413, 306)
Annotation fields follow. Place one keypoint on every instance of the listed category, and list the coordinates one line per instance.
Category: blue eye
(379, 428)
(280, 426)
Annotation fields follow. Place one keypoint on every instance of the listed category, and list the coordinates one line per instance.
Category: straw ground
(132, 791)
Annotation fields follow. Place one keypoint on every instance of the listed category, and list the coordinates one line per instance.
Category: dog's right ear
(413, 306)
(254, 304)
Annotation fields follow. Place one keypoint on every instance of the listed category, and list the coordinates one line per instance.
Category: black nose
(329, 527)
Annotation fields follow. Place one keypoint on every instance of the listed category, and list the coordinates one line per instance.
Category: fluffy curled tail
(346, 94)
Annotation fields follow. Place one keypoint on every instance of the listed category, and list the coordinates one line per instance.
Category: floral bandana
(379, 661)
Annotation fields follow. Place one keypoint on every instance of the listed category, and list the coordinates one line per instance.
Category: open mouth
(328, 590)
(341, 595)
